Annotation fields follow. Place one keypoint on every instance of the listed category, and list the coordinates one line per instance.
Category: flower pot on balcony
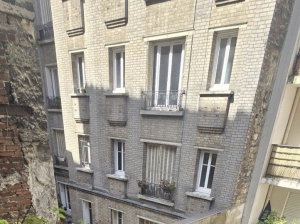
(61, 159)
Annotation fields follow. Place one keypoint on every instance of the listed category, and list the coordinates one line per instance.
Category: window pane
(55, 82)
(80, 71)
(90, 210)
(120, 156)
(211, 176)
(213, 159)
(123, 69)
(206, 157)
(175, 73)
(221, 60)
(163, 74)
(68, 198)
(230, 60)
(154, 75)
(118, 70)
(203, 176)
(86, 155)
(120, 218)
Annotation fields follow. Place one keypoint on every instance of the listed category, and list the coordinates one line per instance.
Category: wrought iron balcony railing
(284, 162)
(163, 100)
(44, 32)
(156, 191)
(54, 102)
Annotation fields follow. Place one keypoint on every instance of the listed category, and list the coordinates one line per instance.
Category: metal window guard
(54, 102)
(163, 100)
(44, 32)
(156, 191)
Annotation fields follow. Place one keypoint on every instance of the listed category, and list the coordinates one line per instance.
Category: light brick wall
(251, 18)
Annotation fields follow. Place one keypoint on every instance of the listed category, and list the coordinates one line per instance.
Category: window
(60, 143)
(80, 72)
(87, 212)
(207, 165)
(223, 60)
(64, 196)
(119, 150)
(116, 217)
(52, 82)
(84, 147)
(167, 70)
(119, 70)
(148, 221)
(160, 163)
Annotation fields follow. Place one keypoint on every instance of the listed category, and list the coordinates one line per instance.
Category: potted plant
(56, 103)
(167, 186)
(143, 183)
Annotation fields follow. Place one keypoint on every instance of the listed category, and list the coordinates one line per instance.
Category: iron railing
(54, 102)
(44, 32)
(163, 100)
(284, 162)
(156, 191)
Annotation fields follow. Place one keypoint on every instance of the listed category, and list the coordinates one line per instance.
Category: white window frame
(86, 212)
(204, 190)
(85, 148)
(115, 216)
(79, 84)
(118, 172)
(222, 85)
(51, 86)
(122, 70)
(157, 69)
(64, 196)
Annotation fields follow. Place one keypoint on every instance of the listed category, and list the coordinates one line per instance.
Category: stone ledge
(77, 95)
(54, 110)
(48, 41)
(61, 167)
(199, 195)
(156, 200)
(216, 93)
(116, 177)
(85, 170)
(116, 94)
(162, 113)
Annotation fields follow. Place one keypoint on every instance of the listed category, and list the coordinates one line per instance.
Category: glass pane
(118, 70)
(203, 176)
(55, 83)
(68, 195)
(86, 154)
(80, 71)
(213, 159)
(120, 218)
(90, 210)
(120, 156)
(230, 60)
(206, 157)
(154, 74)
(163, 74)
(221, 60)
(211, 176)
(175, 73)
(123, 69)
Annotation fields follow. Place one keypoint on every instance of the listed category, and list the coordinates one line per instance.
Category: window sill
(156, 200)
(199, 195)
(77, 95)
(116, 177)
(179, 113)
(217, 93)
(85, 170)
(54, 110)
(116, 94)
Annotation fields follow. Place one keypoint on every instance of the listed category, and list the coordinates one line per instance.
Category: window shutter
(292, 209)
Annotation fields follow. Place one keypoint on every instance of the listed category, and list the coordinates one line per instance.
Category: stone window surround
(86, 208)
(84, 168)
(148, 219)
(115, 51)
(119, 173)
(64, 188)
(73, 55)
(115, 216)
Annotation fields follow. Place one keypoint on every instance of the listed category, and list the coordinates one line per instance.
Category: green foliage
(80, 221)
(2, 221)
(272, 218)
(32, 219)
(59, 212)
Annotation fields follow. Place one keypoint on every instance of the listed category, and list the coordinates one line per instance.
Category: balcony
(61, 161)
(54, 102)
(284, 162)
(44, 32)
(162, 102)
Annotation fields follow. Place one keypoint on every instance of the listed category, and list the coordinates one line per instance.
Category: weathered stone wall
(278, 31)
(25, 163)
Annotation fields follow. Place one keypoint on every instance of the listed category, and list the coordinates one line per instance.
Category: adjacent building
(163, 103)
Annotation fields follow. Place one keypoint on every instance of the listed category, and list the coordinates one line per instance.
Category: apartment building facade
(157, 101)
